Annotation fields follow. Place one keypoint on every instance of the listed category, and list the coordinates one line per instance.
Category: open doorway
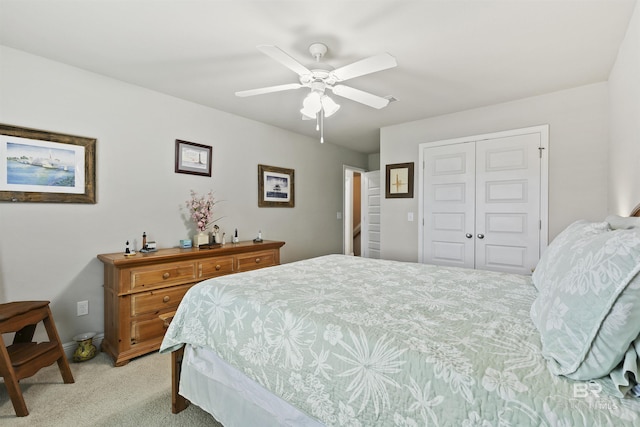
(361, 207)
(352, 218)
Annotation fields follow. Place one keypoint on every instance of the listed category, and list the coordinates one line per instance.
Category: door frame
(347, 204)
(543, 130)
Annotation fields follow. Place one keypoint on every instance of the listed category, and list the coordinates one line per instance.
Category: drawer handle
(218, 267)
(166, 276)
(166, 299)
(257, 260)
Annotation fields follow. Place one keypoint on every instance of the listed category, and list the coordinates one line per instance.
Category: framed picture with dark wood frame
(48, 167)
(399, 181)
(192, 158)
(276, 187)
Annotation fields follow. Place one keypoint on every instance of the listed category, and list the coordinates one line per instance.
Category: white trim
(543, 130)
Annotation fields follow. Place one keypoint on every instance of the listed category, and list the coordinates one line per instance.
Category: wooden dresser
(139, 288)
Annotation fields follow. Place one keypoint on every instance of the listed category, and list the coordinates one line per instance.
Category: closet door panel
(508, 203)
(449, 205)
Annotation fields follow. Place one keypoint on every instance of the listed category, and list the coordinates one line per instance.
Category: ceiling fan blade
(369, 65)
(284, 58)
(270, 89)
(360, 96)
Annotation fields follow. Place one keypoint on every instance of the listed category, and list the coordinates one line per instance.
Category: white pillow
(567, 241)
(617, 222)
(588, 314)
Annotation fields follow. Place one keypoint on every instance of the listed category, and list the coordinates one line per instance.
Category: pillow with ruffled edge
(589, 315)
(626, 375)
(568, 240)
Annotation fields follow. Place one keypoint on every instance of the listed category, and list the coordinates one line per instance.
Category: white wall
(624, 99)
(48, 251)
(578, 144)
(374, 162)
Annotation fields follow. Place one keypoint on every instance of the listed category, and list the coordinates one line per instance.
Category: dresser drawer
(256, 260)
(157, 276)
(143, 331)
(158, 300)
(215, 267)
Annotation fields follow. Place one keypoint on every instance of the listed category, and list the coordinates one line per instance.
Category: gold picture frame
(46, 167)
(276, 187)
(399, 181)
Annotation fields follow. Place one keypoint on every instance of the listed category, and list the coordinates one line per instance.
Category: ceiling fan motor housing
(318, 76)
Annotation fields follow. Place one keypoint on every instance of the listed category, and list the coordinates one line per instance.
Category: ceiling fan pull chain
(321, 113)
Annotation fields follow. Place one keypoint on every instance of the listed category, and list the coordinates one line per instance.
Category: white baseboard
(70, 347)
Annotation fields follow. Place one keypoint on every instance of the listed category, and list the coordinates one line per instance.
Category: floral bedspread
(361, 342)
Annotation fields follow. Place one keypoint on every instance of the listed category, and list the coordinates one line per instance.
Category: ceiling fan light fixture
(329, 106)
(311, 104)
(307, 114)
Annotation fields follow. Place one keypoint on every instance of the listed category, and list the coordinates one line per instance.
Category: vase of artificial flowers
(201, 212)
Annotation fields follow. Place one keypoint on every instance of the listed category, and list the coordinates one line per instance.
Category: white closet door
(448, 205)
(371, 214)
(482, 203)
(508, 203)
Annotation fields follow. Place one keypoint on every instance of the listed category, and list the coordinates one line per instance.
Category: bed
(345, 341)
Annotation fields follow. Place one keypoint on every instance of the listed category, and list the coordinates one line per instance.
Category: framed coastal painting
(43, 166)
(192, 158)
(275, 187)
(399, 181)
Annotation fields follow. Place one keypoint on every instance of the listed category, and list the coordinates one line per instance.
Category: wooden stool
(24, 358)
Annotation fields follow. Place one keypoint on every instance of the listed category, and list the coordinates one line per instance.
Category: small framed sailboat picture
(192, 158)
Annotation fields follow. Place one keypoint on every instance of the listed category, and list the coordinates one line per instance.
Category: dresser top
(176, 254)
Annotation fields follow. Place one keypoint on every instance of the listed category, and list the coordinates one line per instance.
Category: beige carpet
(137, 394)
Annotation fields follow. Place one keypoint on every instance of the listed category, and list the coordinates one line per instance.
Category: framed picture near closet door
(399, 181)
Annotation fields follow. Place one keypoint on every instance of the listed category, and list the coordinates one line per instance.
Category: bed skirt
(231, 397)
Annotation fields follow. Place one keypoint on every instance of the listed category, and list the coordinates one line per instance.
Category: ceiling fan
(317, 104)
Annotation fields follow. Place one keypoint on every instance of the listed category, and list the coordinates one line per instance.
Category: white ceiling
(452, 55)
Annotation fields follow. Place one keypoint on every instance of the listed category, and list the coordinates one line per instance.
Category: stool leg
(52, 332)
(11, 382)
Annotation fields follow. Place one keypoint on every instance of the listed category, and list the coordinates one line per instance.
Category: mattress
(349, 341)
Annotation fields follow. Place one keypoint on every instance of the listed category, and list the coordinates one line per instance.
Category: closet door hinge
(540, 151)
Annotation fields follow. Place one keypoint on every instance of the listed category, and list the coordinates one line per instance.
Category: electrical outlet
(83, 308)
